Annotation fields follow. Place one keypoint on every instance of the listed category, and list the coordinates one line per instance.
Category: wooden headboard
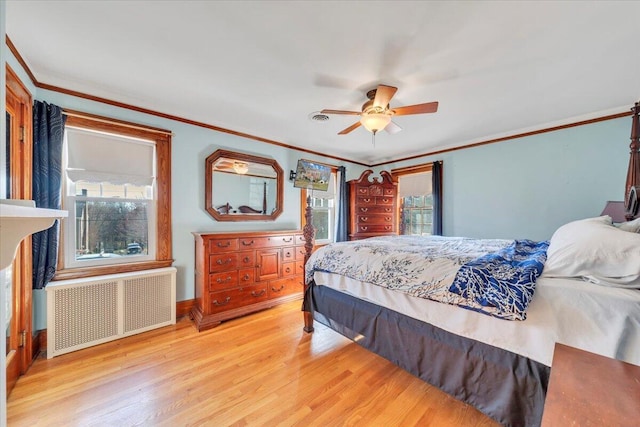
(632, 188)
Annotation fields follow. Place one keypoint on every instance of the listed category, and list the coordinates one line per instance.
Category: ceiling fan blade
(392, 128)
(349, 129)
(357, 113)
(384, 95)
(429, 107)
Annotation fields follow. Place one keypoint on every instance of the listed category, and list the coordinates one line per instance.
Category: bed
(469, 331)
(497, 365)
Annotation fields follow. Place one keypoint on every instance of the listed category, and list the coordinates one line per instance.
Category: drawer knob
(364, 228)
(224, 245)
(364, 209)
(245, 243)
(367, 200)
(258, 294)
(387, 218)
(225, 302)
(246, 277)
(219, 280)
(287, 239)
(364, 218)
(277, 290)
(287, 270)
(222, 261)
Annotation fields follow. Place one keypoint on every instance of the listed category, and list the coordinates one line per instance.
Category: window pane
(110, 229)
(320, 223)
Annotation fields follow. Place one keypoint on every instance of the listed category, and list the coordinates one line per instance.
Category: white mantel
(19, 219)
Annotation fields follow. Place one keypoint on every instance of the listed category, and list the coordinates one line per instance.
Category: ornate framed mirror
(243, 187)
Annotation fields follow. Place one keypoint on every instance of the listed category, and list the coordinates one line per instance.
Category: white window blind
(101, 157)
(415, 184)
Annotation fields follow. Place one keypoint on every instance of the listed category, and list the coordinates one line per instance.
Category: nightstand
(586, 389)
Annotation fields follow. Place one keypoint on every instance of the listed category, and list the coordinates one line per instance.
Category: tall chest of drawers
(373, 206)
(240, 273)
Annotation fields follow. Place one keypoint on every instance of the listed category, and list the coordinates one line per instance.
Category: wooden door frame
(20, 103)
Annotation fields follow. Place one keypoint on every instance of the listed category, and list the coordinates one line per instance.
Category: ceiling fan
(376, 113)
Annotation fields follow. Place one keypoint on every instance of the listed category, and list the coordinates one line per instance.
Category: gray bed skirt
(503, 385)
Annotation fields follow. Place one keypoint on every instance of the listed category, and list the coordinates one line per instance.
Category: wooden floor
(261, 370)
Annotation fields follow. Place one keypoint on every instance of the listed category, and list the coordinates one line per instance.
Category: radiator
(85, 312)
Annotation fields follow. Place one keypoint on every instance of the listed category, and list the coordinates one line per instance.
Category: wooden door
(267, 264)
(19, 148)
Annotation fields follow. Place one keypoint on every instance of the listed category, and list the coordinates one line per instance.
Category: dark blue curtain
(436, 181)
(48, 133)
(343, 207)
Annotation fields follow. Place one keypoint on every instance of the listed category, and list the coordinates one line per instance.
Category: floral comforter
(493, 276)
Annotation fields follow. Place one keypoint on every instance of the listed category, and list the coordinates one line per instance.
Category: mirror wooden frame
(242, 157)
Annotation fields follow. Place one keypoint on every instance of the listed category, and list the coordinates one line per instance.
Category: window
(115, 187)
(415, 202)
(323, 205)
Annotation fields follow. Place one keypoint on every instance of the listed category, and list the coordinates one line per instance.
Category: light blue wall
(527, 187)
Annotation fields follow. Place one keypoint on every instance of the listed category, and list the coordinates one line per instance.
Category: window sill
(82, 272)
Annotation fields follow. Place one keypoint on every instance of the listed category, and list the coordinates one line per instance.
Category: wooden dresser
(240, 273)
(373, 206)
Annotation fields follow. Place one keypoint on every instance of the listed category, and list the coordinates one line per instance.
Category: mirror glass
(242, 187)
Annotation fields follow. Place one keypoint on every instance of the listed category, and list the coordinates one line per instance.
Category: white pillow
(593, 250)
(632, 226)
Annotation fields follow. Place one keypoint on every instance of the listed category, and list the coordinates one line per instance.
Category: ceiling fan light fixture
(240, 167)
(375, 122)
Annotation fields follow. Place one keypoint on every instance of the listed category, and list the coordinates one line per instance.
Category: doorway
(17, 278)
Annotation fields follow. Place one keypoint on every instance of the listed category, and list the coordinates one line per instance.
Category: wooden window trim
(303, 201)
(163, 202)
(409, 170)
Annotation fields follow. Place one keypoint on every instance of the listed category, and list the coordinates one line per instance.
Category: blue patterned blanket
(493, 276)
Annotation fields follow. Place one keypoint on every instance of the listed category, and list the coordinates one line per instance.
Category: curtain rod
(72, 113)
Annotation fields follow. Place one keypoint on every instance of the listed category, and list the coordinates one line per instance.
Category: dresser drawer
(288, 268)
(384, 200)
(300, 252)
(374, 210)
(238, 297)
(374, 228)
(375, 219)
(246, 276)
(225, 280)
(279, 288)
(299, 239)
(265, 242)
(365, 201)
(223, 262)
(246, 259)
(362, 191)
(221, 245)
(389, 191)
(288, 253)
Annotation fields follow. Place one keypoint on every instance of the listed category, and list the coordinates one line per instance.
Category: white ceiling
(262, 67)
